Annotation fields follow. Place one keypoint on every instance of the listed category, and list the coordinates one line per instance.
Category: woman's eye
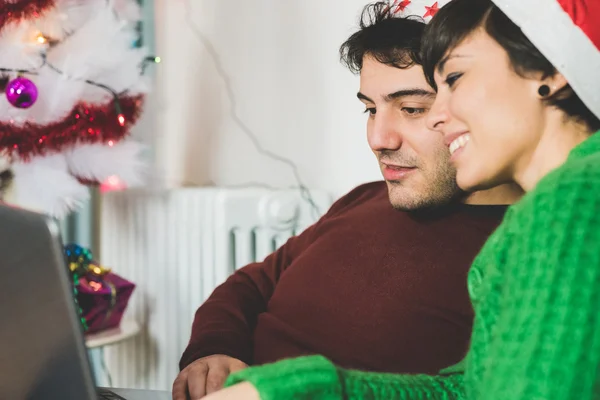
(371, 111)
(413, 110)
(452, 78)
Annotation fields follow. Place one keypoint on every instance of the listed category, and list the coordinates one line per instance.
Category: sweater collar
(589, 146)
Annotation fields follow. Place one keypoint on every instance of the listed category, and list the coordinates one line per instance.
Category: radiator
(177, 246)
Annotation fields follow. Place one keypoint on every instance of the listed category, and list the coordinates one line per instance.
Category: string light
(101, 119)
(41, 39)
(304, 191)
(150, 60)
(35, 8)
(111, 184)
(121, 118)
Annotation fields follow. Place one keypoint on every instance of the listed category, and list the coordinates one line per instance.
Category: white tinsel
(45, 185)
(95, 44)
(87, 40)
(99, 162)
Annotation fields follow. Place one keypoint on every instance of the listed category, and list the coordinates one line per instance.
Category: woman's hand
(241, 391)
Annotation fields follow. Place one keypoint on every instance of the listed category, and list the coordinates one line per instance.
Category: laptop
(42, 348)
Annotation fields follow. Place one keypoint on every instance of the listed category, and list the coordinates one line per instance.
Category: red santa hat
(567, 33)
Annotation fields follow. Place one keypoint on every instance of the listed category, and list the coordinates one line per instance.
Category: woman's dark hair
(459, 18)
(389, 39)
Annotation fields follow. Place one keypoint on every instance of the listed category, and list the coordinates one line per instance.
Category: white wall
(281, 58)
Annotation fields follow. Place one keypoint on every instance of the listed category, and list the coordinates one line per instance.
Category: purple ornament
(21, 92)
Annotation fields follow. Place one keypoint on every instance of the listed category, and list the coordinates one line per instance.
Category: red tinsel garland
(27, 9)
(85, 124)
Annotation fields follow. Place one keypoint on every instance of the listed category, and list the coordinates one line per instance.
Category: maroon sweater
(367, 286)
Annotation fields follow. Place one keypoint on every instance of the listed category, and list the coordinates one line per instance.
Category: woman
(507, 115)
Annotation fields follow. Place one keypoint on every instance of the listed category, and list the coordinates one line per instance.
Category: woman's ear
(556, 82)
(550, 85)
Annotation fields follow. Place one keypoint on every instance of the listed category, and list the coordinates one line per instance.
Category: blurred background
(252, 129)
(175, 141)
(273, 64)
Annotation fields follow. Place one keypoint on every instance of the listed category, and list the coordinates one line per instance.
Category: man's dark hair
(386, 37)
(459, 18)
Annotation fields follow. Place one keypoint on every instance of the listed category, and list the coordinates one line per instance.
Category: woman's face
(491, 117)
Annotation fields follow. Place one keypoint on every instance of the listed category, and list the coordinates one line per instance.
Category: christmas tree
(74, 85)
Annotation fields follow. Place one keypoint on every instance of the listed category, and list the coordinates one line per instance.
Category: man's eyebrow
(412, 92)
(416, 92)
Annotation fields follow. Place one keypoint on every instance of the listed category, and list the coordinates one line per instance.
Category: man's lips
(396, 172)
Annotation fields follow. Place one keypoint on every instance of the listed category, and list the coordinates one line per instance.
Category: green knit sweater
(535, 288)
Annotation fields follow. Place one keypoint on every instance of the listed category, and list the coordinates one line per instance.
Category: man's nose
(385, 132)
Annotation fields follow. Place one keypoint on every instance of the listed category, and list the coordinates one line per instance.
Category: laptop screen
(42, 353)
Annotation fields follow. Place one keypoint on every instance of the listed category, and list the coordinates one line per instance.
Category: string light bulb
(111, 184)
(150, 60)
(41, 39)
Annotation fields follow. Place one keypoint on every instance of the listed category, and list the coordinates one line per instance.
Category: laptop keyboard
(108, 395)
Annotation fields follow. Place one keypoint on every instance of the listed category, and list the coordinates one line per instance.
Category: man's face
(414, 160)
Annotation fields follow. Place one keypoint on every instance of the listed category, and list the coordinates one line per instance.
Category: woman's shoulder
(580, 171)
(574, 184)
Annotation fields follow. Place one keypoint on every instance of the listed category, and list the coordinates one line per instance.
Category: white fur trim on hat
(562, 42)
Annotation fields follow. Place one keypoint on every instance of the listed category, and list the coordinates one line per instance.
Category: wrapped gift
(102, 296)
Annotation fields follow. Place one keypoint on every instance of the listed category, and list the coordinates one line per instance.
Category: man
(371, 285)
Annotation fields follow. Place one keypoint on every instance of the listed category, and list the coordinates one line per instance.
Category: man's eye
(413, 110)
(371, 111)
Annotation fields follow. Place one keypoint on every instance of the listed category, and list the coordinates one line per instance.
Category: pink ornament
(21, 92)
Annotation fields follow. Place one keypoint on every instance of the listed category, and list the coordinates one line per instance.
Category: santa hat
(425, 9)
(567, 33)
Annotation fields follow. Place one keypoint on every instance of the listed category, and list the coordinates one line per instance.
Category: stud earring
(544, 90)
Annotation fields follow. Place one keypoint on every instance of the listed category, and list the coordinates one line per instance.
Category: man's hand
(204, 376)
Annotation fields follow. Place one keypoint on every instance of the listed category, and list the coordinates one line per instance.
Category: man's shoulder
(371, 191)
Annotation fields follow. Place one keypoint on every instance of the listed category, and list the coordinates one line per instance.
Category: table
(128, 329)
(96, 342)
(142, 394)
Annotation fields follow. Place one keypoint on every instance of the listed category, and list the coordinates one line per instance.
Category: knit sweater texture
(535, 288)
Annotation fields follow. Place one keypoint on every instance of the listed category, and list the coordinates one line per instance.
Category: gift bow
(94, 269)
(81, 262)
